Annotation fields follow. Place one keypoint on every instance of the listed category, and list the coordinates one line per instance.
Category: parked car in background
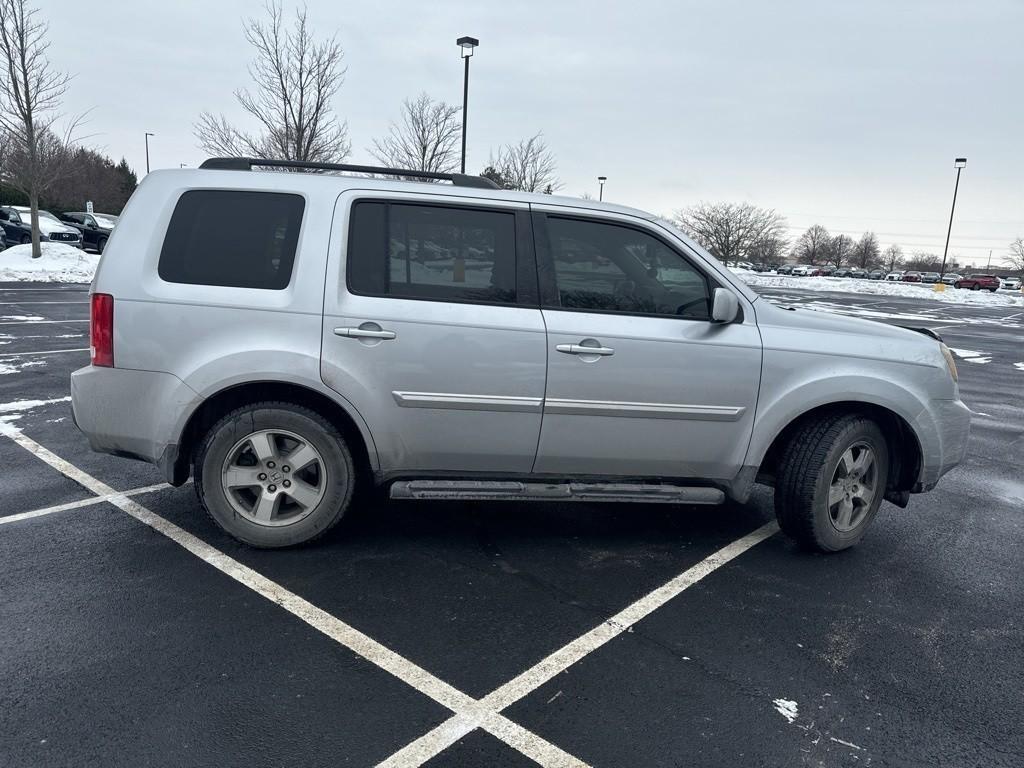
(827, 271)
(876, 274)
(620, 362)
(802, 270)
(95, 227)
(930, 277)
(745, 265)
(858, 273)
(911, 277)
(950, 278)
(3, 239)
(979, 282)
(784, 269)
(894, 277)
(1010, 283)
(842, 272)
(16, 222)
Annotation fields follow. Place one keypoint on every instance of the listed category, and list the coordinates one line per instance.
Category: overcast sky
(847, 114)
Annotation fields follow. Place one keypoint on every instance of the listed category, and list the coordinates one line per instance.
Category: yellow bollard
(939, 287)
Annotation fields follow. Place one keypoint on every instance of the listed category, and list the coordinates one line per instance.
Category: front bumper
(948, 433)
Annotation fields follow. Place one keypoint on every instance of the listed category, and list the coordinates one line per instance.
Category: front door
(432, 330)
(640, 381)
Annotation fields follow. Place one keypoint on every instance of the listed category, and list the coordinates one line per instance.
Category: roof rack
(248, 163)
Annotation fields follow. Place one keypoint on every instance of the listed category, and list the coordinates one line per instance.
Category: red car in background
(911, 277)
(977, 282)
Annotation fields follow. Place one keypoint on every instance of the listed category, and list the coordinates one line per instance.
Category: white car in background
(950, 278)
(894, 277)
(1011, 283)
(803, 270)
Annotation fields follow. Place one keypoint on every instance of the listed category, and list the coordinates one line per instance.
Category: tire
(992, 289)
(958, 285)
(975, 287)
(813, 465)
(26, 239)
(258, 510)
(101, 244)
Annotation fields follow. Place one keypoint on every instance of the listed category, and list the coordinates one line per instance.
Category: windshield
(105, 220)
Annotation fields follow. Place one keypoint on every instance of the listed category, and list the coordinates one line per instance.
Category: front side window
(610, 268)
(232, 239)
(434, 252)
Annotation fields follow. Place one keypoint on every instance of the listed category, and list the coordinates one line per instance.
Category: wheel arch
(905, 450)
(347, 421)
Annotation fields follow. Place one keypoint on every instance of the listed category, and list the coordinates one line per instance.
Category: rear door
(640, 381)
(432, 330)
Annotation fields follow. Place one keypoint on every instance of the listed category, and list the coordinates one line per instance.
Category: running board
(500, 490)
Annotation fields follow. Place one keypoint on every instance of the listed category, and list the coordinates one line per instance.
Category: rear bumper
(129, 413)
(950, 429)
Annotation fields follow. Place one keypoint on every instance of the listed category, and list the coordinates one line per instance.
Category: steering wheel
(687, 305)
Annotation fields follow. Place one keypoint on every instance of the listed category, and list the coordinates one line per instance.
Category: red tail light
(101, 329)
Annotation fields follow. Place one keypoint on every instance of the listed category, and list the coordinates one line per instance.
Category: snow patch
(786, 708)
(970, 356)
(1019, 366)
(27, 318)
(59, 263)
(880, 288)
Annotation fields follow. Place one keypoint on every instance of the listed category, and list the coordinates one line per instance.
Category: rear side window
(233, 239)
(432, 252)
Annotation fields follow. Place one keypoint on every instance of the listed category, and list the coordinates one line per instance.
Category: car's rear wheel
(274, 474)
(101, 244)
(831, 480)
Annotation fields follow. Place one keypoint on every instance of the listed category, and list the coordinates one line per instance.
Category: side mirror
(725, 306)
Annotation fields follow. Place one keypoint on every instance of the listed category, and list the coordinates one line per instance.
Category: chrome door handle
(364, 333)
(580, 349)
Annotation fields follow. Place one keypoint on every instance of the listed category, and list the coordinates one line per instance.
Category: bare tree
(295, 78)
(528, 166)
(892, 258)
(731, 231)
(35, 153)
(426, 139)
(839, 249)
(1016, 257)
(813, 246)
(866, 252)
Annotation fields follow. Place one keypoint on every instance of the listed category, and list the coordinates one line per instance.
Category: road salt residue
(786, 708)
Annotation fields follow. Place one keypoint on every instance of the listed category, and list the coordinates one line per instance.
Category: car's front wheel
(101, 244)
(274, 474)
(831, 480)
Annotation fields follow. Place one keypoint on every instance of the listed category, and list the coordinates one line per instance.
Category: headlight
(950, 362)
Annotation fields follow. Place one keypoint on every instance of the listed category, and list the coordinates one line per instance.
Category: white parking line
(463, 705)
(40, 322)
(82, 503)
(44, 352)
(445, 735)
(19, 301)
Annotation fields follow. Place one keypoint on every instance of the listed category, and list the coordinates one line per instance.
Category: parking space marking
(21, 301)
(45, 352)
(40, 322)
(445, 735)
(462, 704)
(82, 503)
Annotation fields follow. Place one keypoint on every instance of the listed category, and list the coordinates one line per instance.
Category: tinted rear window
(233, 239)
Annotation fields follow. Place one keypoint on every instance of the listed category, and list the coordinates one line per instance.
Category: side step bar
(501, 490)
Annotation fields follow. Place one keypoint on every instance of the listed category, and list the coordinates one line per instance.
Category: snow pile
(951, 295)
(59, 263)
(788, 709)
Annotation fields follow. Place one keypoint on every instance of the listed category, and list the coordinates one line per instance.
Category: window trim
(549, 296)
(527, 291)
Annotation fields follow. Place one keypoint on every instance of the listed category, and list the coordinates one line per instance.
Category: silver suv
(288, 338)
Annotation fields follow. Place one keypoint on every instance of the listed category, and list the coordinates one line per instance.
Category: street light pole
(600, 192)
(147, 149)
(959, 164)
(467, 44)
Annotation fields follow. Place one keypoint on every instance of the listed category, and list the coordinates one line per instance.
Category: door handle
(580, 349)
(364, 333)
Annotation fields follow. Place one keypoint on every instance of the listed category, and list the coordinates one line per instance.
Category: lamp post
(148, 134)
(959, 163)
(466, 46)
(600, 192)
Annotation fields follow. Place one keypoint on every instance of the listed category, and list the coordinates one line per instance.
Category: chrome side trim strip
(460, 402)
(643, 410)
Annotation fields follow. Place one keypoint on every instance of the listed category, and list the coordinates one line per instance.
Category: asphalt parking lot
(451, 634)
